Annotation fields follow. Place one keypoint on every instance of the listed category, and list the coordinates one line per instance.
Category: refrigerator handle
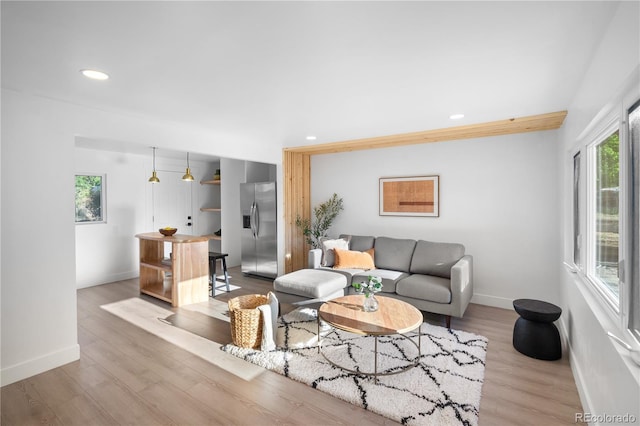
(256, 223)
(253, 219)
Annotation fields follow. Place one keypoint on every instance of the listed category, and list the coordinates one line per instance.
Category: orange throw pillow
(349, 259)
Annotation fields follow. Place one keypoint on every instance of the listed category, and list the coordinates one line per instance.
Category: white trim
(109, 278)
(495, 301)
(39, 365)
(627, 220)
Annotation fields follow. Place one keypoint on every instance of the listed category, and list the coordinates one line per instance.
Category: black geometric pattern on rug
(444, 388)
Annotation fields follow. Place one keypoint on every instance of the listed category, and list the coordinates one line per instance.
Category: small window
(90, 199)
(607, 215)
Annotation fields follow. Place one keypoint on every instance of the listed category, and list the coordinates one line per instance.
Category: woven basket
(246, 320)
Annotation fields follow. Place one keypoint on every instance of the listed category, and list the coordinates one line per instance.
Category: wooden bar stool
(213, 279)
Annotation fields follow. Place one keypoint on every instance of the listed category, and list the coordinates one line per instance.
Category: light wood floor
(128, 376)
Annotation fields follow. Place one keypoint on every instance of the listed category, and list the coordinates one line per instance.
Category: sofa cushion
(350, 259)
(431, 258)
(359, 242)
(425, 287)
(348, 273)
(328, 257)
(389, 278)
(311, 283)
(393, 253)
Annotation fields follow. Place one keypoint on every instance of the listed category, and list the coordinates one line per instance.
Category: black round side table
(534, 333)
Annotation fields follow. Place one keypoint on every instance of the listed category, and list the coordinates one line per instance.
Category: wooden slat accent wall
(297, 166)
(297, 201)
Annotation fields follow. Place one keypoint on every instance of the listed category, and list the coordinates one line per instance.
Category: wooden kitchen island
(180, 277)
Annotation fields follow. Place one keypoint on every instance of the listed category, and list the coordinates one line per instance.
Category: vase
(370, 303)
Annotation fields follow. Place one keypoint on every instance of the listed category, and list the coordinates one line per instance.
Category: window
(606, 239)
(634, 204)
(606, 191)
(90, 199)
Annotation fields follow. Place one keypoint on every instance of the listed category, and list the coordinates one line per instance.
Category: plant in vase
(369, 288)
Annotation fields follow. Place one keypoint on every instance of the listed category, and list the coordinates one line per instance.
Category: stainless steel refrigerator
(259, 237)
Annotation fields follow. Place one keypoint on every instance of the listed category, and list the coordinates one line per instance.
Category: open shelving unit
(181, 278)
(209, 209)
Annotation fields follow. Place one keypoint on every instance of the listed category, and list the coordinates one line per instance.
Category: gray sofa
(433, 277)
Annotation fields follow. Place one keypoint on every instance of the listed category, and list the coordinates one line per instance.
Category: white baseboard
(39, 365)
(496, 302)
(107, 279)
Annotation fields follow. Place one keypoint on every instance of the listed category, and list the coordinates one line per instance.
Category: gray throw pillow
(435, 259)
(359, 242)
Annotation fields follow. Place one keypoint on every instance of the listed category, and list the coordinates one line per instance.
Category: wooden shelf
(216, 219)
(159, 266)
(159, 290)
(175, 238)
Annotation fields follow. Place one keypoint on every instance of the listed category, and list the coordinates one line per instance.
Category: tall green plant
(324, 215)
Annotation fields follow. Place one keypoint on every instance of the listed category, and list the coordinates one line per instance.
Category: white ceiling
(276, 72)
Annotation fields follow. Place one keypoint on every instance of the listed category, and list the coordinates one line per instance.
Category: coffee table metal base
(375, 373)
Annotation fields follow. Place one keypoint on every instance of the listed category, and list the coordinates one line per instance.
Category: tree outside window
(607, 212)
(90, 199)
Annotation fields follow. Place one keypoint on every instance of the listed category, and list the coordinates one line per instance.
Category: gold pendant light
(188, 177)
(154, 177)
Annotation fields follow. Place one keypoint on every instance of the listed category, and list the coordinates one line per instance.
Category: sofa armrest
(461, 285)
(314, 259)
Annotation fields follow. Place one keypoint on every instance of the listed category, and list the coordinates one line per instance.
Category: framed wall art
(410, 196)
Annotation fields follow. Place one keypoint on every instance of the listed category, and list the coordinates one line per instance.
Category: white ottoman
(309, 286)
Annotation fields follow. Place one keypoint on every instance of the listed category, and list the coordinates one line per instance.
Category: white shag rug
(444, 389)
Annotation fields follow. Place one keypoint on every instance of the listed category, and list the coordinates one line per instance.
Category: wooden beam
(297, 166)
(297, 202)
(532, 123)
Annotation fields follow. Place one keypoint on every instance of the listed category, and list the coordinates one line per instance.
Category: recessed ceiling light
(94, 74)
(311, 138)
(456, 116)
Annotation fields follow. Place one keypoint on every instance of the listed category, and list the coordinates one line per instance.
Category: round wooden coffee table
(392, 317)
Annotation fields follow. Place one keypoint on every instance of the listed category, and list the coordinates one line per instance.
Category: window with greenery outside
(607, 211)
(89, 198)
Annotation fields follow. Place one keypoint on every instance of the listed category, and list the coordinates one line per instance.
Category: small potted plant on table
(369, 288)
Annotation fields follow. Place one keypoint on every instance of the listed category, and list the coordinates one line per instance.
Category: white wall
(259, 172)
(38, 312)
(497, 197)
(233, 173)
(107, 252)
(607, 381)
(38, 274)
